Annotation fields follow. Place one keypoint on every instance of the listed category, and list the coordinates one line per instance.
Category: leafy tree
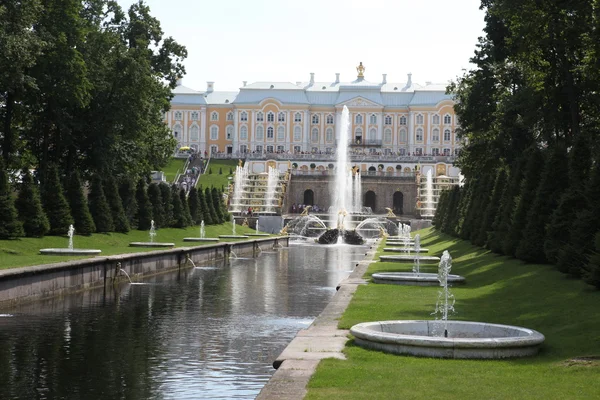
(119, 218)
(99, 207)
(83, 222)
(179, 219)
(194, 206)
(55, 204)
(29, 206)
(144, 209)
(158, 212)
(10, 226)
(165, 194)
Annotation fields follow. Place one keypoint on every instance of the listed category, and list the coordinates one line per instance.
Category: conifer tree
(185, 208)
(179, 220)
(119, 218)
(206, 217)
(492, 208)
(591, 272)
(572, 200)
(524, 201)
(439, 216)
(463, 206)
(127, 192)
(82, 219)
(217, 204)
(165, 194)
(194, 205)
(10, 225)
(552, 183)
(158, 212)
(480, 205)
(223, 204)
(211, 208)
(55, 204)
(453, 197)
(144, 207)
(29, 207)
(99, 207)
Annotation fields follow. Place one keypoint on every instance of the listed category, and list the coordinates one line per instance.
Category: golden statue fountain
(305, 212)
(390, 213)
(361, 71)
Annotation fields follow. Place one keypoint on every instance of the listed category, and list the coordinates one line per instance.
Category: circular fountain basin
(395, 241)
(410, 259)
(476, 340)
(70, 252)
(258, 234)
(151, 244)
(233, 236)
(414, 279)
(405, 249)
(200, 239)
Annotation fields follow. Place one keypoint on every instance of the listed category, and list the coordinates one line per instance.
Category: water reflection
(208, 332)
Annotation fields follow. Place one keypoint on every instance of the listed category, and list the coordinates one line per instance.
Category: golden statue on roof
(361, 70)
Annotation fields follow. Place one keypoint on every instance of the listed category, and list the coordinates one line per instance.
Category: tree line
(529, 114)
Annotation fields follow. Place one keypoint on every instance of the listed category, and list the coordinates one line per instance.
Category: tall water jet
(70, 233)
(445, 302)
(429, 208)
(241, 178)
(152, 232)
(272, 182)
(202, 230)
(343, 197)
(417, 248)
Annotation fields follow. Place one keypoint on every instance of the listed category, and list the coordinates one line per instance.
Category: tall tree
(179, 219)
(144, 209)
(165, 194)
(83, 222)
(116, 206)
(29, 206)
(206, 216)
(55, 204)
(10, 226)
(158, 211)
(99, 207)
(185, 208)
(194, 206)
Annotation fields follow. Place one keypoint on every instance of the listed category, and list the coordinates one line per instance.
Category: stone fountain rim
(366, 332)
(69, 252)
(414, 277)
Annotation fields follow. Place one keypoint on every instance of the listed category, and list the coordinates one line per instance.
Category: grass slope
(215, 179)
(25, 251)
(175, 165)
(498, 290)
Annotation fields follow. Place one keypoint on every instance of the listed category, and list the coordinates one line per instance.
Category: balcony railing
(354, 157)
(331, 172)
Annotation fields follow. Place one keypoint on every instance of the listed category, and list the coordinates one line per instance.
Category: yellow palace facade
(392, 119)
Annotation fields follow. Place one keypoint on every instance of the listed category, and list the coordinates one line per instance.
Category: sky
(230, 41)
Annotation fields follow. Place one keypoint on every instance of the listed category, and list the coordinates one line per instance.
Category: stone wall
(383, 187)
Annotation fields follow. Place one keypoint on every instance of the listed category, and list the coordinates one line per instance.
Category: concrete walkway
(322, 339)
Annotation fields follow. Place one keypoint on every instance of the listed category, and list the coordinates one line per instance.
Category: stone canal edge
(322, 339)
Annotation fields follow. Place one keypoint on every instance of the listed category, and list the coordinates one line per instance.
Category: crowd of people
(299, 208)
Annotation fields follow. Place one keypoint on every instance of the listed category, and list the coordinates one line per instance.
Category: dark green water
(207, 333)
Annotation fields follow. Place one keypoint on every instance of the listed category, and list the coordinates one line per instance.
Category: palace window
(435, 151)
(260, 133)
(178, 115)
(195, 116)
(435, 119)
(402, 135)
(419, 135)
(244, 133)
(281, 117)
(420, 119)
(403, 120)
(456, 152)
(177, 131)
(315, 135)
(194, 133)
(435, 135)
(297, 149)
(329, 135)
(387, 136)
(446, 152)
(244, 116)
(259, 148)
(297, 133)
(373, 119)
(260, 117)
(230, 116)
(447, 135)
(214, 132)
(229, 132)
(270, 133)
(447, 119)
(280, 149)
(281, 133)
(419, 151)
(358, 119)
(297, 117)
(214, 148)
(402, 152)
(372, 134)
(243, 148)
(269, 149)
(270, 117)
(329, 119)
(315, 119)
(214, 116)
(388, 120)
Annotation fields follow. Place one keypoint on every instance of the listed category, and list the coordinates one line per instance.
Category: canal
(208, 332)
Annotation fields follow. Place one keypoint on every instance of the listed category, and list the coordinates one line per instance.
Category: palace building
(395, 127)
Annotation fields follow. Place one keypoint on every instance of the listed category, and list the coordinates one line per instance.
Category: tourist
(294, 208)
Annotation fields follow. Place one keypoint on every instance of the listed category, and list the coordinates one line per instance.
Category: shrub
(313, 166)
(29, 207)
(220, 171)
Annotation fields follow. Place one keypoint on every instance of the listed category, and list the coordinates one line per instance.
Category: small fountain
(416, 248)
(272, 182)
(202, 237)
(429, 210)
(403, 237)
(70, 251)
(258, 232)
(151, 243)
(406, 258)
(233, 234)
(129, 278)
(447, 339)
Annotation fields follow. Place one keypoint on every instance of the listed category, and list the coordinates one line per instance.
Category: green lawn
(498, 290)
(174, 166)
(215, 179)
(25, 251)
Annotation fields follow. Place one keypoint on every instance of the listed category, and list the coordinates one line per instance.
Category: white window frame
(315, 118)
(259, 148)
(260, 133)
(329, 119)
(194, 133)
(435, 119)
(297, 117)
(229, 116)
(447, 119)
(195, 116)
(435, 135)
(387, 136)
(314, 135)
(402, 135)
(214, 116)
(214, 132)
(244, 116)
(402, 120)
(270, 117)
(419, 135)
(280, 133)
(358, 119)
(270, 149)
(447, 133)
(244, 132)
(419, 119)
(270, 133)
(177, 115)
(329, 135)
(281, 117)
(373, 119)
(177, 131)
(229, 132)
(297, 133)
(260, 116)
(388, 120)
